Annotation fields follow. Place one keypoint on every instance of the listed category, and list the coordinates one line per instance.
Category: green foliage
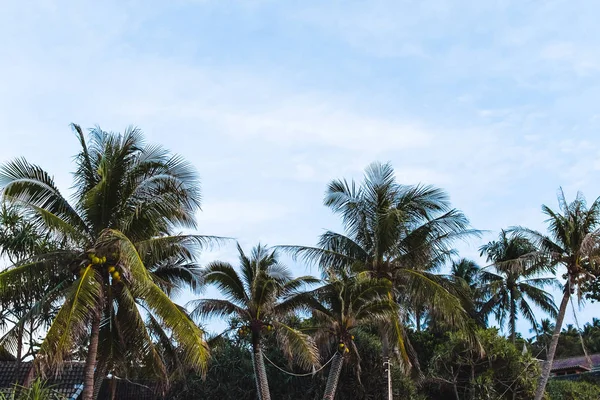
(230, 376)
(496, 370)
(261, 295)
(559, 389)
(119, 251)
(394, 232)
(517, 282)
(36, 391)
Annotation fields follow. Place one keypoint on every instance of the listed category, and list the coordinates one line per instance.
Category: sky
(494, 101)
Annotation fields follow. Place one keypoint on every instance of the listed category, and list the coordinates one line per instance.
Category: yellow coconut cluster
(115, 274)
(342, 346)
(244, 330)
(95, 260)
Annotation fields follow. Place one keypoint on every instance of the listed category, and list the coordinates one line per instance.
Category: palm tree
(122, 252)
(467, 270)
(344, 305)
(516, 282)
(573, 242)
(467, 275)
(393, 231)
(591, 334)
(261, 295)
(543, 334)
(19, 240)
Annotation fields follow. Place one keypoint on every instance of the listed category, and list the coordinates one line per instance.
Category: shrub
(572, 390)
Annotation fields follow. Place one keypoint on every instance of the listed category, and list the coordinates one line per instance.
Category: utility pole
(388, 369)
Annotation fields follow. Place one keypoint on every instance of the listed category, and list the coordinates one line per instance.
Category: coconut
(111, 269)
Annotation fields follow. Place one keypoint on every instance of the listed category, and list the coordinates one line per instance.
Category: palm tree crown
(395, 232)
(261, 295)
(345, 305)
(516, 281)
(573, 243)
(122, 250)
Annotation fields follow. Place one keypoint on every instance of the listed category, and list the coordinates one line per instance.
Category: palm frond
(71, 322)
(31, 186)
(216, 308)
(297, 345)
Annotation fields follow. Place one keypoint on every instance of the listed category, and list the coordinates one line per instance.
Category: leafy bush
(230, 377)
(36, 391)
(460, 368)
(572, 390)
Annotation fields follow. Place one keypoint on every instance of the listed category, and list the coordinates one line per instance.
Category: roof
(12, 372)
(68, 382)
(580, 362)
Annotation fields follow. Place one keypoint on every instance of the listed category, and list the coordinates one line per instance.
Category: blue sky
(495, 101)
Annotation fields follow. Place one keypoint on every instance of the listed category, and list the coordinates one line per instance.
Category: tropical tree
(261, 295)
(19, 240)
(466, 276)
(459, 370)
(516, 282)
(123, 252)
(543, 335)
(344, 305)
(573, 243)
(466, 270)
(393, 231)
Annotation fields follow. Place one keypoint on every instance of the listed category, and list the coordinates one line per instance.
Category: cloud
(494, 101)
(240, 213)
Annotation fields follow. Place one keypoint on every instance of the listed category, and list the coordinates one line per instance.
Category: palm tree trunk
(334, 376)
(539, 392)
(260, 373)
(20, 343)
(90, 362)
(513, 321)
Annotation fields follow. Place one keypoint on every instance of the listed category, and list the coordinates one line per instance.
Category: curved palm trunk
(260, 373)
(334, 376)
(90, 362)
(539, 392)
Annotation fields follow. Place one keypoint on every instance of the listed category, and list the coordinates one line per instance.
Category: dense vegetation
(395, 314)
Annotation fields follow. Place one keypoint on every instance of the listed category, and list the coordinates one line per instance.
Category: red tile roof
(575, 362)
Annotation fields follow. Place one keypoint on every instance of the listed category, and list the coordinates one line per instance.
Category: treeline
(92, 279)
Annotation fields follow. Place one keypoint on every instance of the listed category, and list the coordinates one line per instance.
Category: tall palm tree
(123, 252)
(467, 270)
(466, 274)
(261, 295)
(573, 242)
(343, 306)
(543, 334)
(516, 281)
(393, 231)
